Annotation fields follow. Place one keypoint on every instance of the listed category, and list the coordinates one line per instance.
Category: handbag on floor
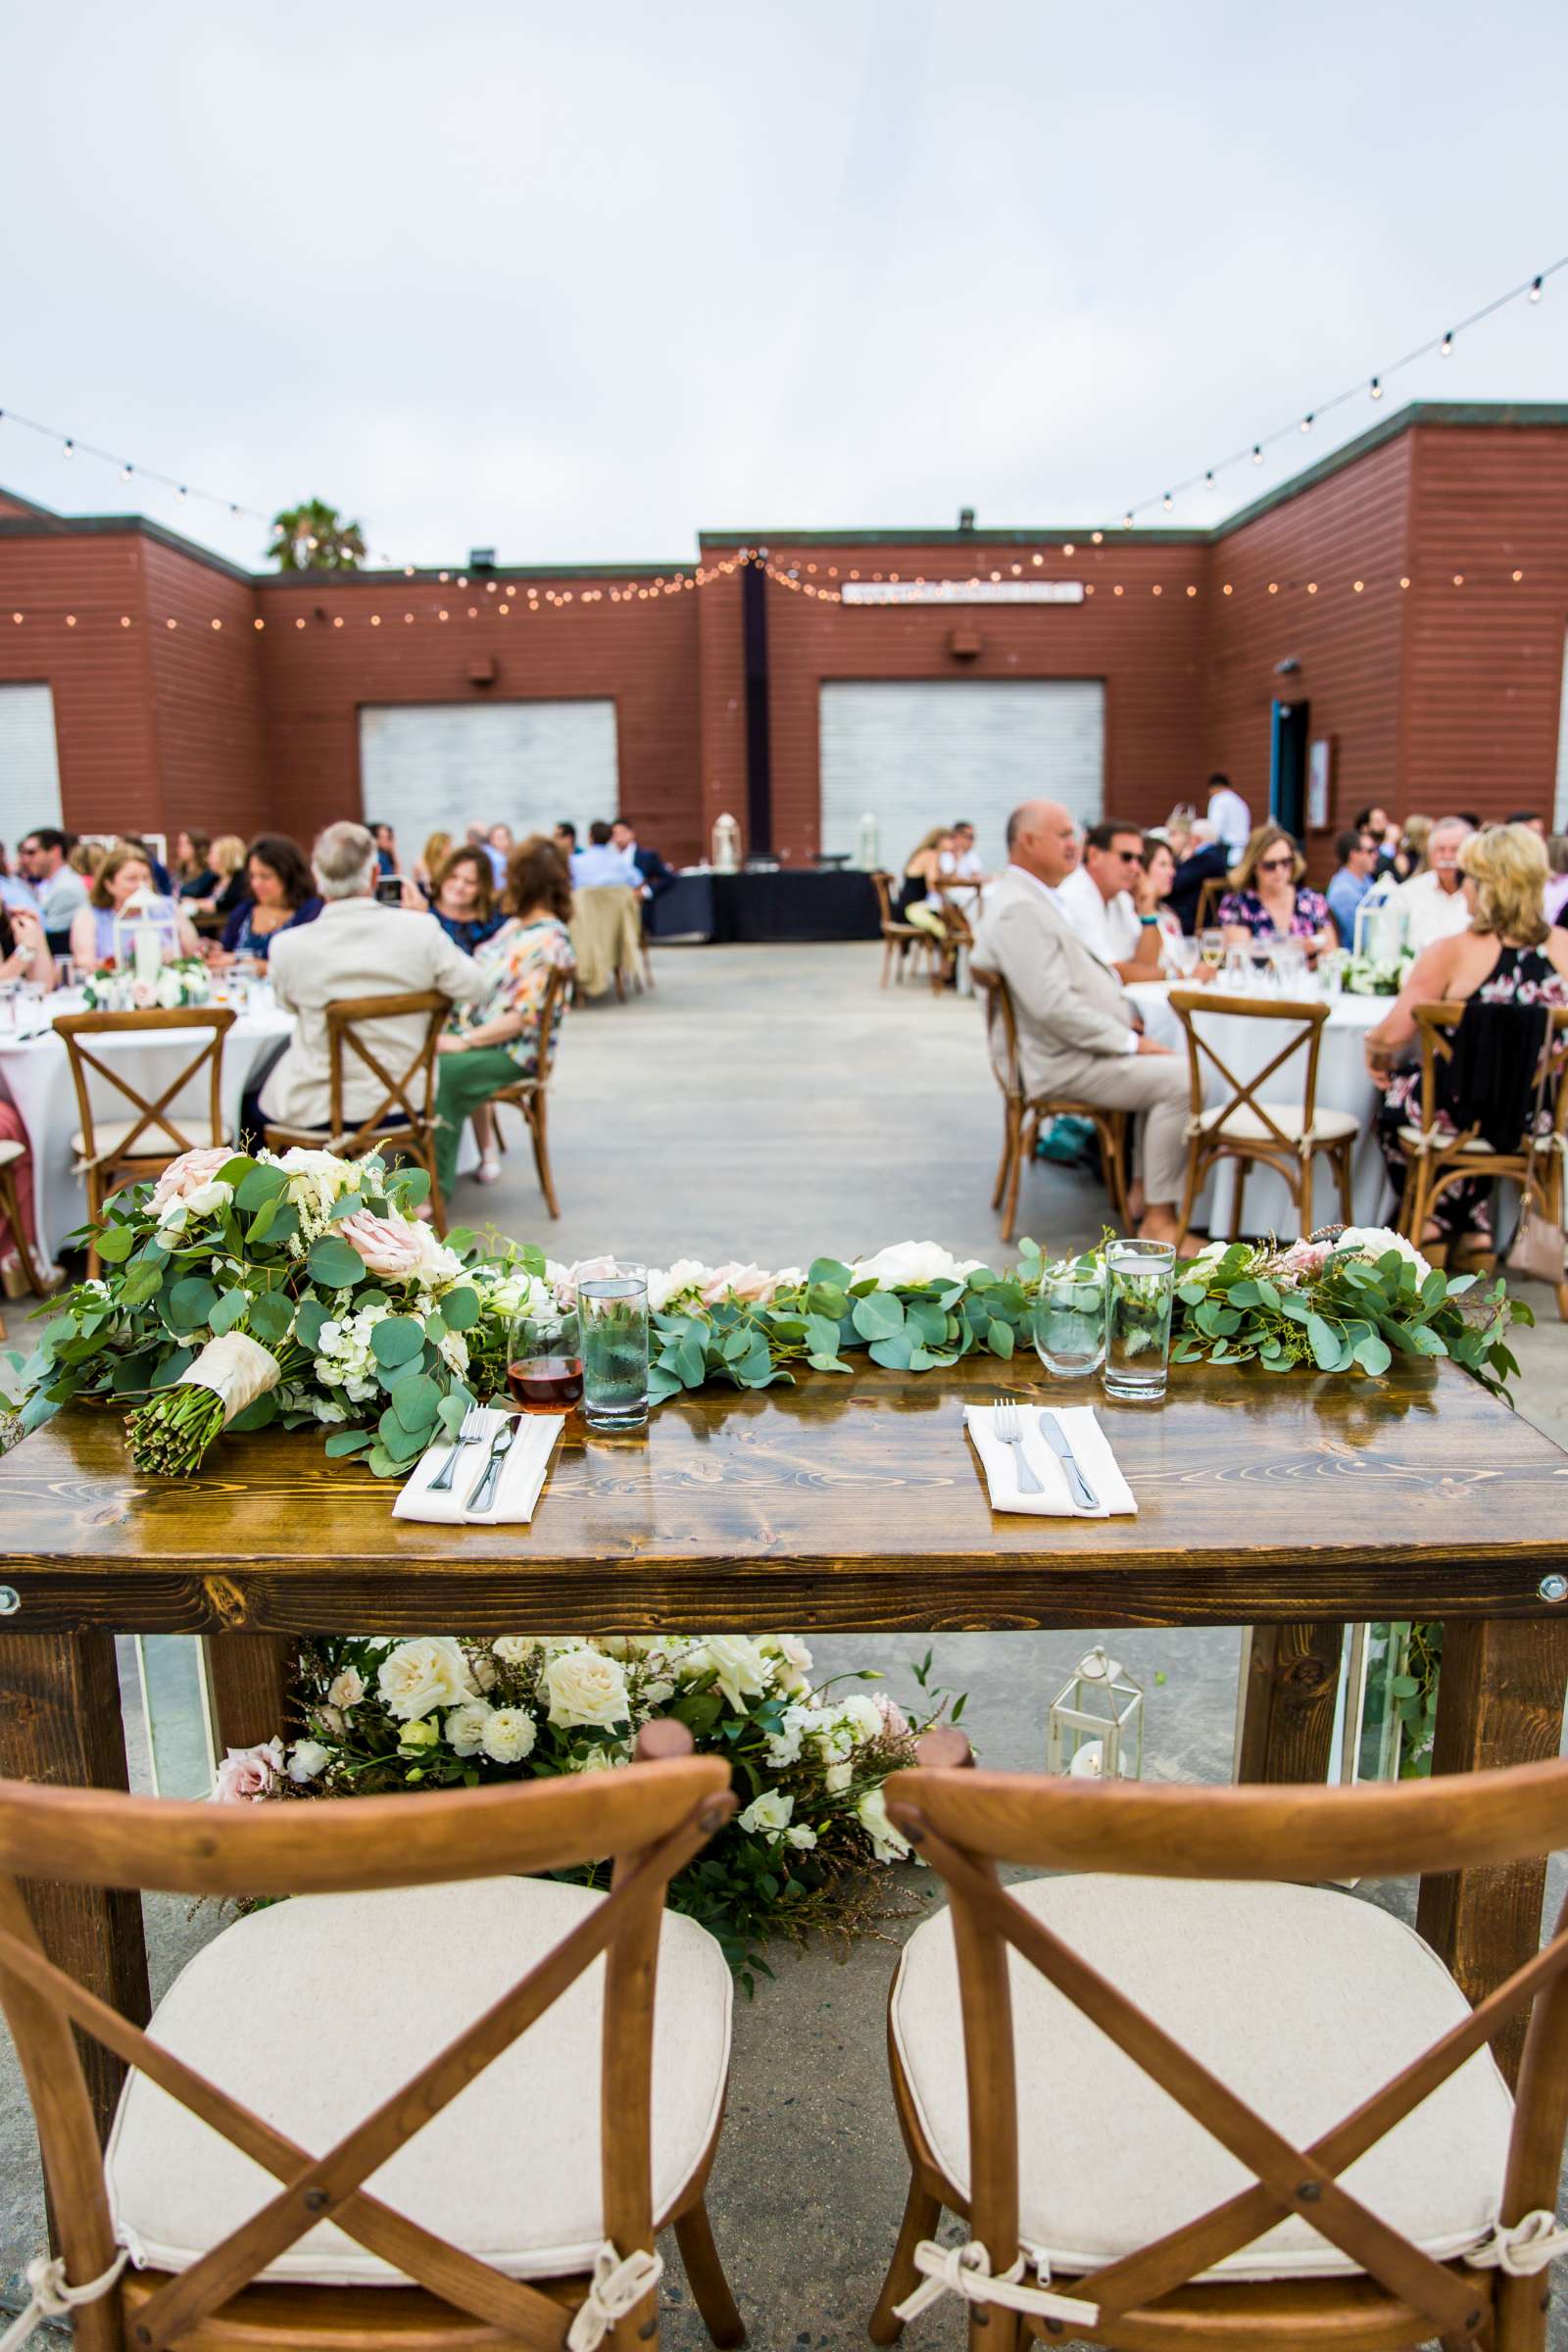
(1539, 1247)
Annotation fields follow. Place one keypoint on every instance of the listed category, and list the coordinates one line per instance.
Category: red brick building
(1392, 622)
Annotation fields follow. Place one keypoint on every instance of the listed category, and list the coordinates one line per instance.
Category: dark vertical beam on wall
(758, 747)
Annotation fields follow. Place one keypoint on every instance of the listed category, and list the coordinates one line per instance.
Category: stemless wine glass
(613, 1312)
(1070, 1318)
(544, 1359)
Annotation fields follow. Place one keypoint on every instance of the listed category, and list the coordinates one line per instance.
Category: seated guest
(1206, 858)
(24, 948)
(492, 1039)
(1268, 896)
(387, 848)
(1508, 961)
(915, 900)
(1534, 819)
(564, 837)
(1357, 853)
(497, 840)
(279, 897)
(1385, 833)
(1432, 902)
(962, 860)
(1159, 873)
(16, 891)
(652, 875)
(601, 866)
(463, 902)
(1078, 1034)
(357, 947)
(1410, 855)
(124, 875)
(1227, 813)
(163, 879)
(24, 955)
(228, 891)
(432, 864)
(61, 891)
(194, 877)
(1098, 898)
(1558, 887)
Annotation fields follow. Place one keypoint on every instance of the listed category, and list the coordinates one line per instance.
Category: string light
(1445, 348)
(1307, 421)
(1535, 289)
(1375, 389)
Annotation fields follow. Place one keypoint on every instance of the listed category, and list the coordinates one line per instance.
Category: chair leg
(1009, 1139)
(31, 1265)
(1239, 1166)
(921, 2214)
(1112, 1129)
(95, 1205)
(1022, 1150)
(1347, 1205)
(704, 2276)
(1195, 1180)
(535, 1115)
(886, 960)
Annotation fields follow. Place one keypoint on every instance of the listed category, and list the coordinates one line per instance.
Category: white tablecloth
(1342, 1084)
(35, 1075)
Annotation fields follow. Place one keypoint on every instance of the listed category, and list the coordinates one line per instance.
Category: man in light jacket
(356, 947)
(1078, 1034)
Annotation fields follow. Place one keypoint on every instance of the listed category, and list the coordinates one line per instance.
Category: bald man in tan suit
(1078, 1034)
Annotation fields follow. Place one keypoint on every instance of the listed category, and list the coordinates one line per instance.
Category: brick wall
(82, 632)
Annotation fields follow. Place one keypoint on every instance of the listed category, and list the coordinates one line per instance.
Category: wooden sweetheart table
(1291, 1503)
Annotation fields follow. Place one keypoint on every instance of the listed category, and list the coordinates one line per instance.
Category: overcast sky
(578, 281)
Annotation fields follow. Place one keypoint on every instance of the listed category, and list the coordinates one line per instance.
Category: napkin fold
(516, 1489)
(1081, 1428)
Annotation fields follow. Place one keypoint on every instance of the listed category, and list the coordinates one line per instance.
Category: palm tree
(313, 538)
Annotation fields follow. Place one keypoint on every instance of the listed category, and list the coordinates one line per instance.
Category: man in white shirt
(601, 866)
(1098, 898)
(1078, 1036)
(1227, 813)
(61, 891)
(1432, 902)
(355, 948)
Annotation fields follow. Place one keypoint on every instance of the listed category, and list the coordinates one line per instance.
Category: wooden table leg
(1499, 1702)
(59, 1723)
(248, 1676)
(1287, 1715)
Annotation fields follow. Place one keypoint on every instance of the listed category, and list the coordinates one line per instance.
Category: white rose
(586, 1687)
(516, 1649)
(768, 1816)
(167, 990)
(686, 1274)
(905, 1263)
(419, 1676)
(864, 1717)
(1375, 1241)
(466, 1727)
(887, 1843)
(738, 1665)
(510, 1735)
(307, 1758)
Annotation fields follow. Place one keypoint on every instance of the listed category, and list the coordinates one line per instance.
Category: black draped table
(794, 903)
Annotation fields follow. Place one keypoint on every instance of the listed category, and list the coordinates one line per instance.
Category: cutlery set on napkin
(1053, 1461)
(489, 1475)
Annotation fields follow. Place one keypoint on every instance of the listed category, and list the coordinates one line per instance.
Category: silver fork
(470, 1431)
(1010, 1431)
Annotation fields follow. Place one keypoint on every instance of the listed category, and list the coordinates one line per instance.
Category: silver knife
(1051, 1430)
(500, 1446)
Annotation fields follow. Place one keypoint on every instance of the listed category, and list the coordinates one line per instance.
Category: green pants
(463, 1082)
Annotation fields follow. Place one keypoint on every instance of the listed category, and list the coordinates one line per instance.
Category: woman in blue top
(281, 895)
(463, 900)
(126, 874)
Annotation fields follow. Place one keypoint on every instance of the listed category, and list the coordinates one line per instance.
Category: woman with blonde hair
(921, 879)
(430, 864)
(1509, 962)
(126, 874)
(1267, 894)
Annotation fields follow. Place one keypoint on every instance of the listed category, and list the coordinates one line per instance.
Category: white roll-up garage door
(918, 753)
(29, 768)
(441, 768)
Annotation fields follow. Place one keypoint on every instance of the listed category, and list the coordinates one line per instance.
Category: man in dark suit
(655, 875)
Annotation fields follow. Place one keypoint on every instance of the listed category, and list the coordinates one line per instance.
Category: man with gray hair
(356, 947)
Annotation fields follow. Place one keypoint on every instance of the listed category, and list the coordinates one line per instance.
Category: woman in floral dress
(1509, 957)
(1267, 897)
(494, 1042)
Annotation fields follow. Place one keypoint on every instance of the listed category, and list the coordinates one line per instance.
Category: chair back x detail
(125, 1150)
(963, 1823)
(1250, 1125)
(404, 1117)
(652, 1817)
(1022, 1114)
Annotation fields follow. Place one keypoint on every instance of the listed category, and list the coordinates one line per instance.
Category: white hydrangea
(508, 1735)
(343, 1358)
(906, 1262)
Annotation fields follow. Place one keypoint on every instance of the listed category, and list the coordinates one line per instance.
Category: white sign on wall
(961, 592)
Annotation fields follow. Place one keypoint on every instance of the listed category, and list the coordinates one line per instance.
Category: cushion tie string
(51, 2298)
(1522, 2249)
(619, 2286)
(965, 2271)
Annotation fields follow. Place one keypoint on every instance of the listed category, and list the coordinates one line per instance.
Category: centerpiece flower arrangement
(1378, 975)
(186, 980)
(384, 1716)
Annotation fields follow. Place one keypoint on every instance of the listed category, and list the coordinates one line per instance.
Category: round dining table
(1247, 1043)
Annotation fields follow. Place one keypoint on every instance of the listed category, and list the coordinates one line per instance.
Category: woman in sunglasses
(1267, 895)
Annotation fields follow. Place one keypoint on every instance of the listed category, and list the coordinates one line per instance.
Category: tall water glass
(1140, 1288)
(1069, 1319)
(612, 1309)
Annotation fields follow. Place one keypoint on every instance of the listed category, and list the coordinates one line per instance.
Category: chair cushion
(1328, 1126)
(1301, 1999)
(1412, 1135)
(154, 1142)
(315, 2009)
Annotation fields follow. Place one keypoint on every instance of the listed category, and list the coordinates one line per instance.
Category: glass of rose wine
(544, 1360)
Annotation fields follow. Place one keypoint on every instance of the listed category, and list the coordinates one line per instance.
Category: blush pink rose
(1305, 1258)
(188, 1174)
(587, 1269)
(389, 1245)
(248, 1774)
(753, 1286)
(892, 1714)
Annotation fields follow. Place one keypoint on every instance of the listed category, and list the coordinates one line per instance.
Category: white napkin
(1089, 1442)
(516, 1489)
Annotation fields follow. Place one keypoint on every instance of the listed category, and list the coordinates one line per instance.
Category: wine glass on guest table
(544, 1360)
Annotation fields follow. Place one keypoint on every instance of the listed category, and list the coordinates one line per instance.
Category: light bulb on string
(1307, 421)
(127, 470)
(1445, 347)
(1257, 453)
(1374, 389)
(1535, 289)
(1127, 522)
(183, 491)
(1167, 502)
(67, 448)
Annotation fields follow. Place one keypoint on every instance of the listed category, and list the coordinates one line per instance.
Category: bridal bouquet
(242, 1289)
(383, 1715)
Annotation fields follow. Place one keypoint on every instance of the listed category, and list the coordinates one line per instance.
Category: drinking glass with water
(612, 1312)
(1070, 1318)
(1140, 1288)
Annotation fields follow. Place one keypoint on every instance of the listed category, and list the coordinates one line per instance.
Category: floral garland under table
(1294, 1504)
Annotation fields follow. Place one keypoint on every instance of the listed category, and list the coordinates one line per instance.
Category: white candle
(147, 953)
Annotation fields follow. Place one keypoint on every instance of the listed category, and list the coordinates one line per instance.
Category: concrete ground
(773, 1103)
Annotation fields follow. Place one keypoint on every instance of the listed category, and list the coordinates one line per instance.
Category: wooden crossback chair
(1210, 891)
(1445, 2229)
(1439, 1159)
(33, 1266)
(1022, 1113)
(1254, 1128)
(111, 1153)
(498, 1962)
(404, 1119)
(899, 935)
(530, 1094)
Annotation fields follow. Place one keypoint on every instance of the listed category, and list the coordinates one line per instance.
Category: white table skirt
(1342, 1084)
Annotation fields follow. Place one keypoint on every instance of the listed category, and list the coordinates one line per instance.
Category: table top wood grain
(846, 1505)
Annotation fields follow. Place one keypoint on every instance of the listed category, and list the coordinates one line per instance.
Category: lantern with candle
(141, 938)
(1095, 1725)
(727, 844)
